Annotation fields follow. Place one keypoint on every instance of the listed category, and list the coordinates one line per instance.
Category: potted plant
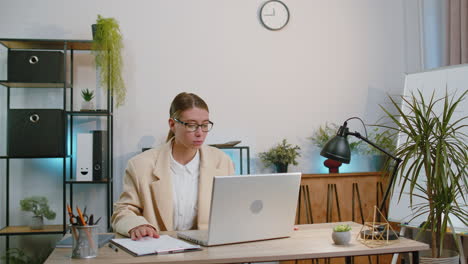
(107, 47)
(434, 152)
(281, 156)
(87, 96)
(16, 256)
(384, 139)
(38, 205)
(341, 234)
(322, 135)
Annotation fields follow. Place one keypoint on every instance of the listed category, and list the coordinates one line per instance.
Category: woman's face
(184, 137)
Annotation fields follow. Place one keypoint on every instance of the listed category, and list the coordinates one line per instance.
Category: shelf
(51, 157)
(33, 85)
(89, 113)
(65, 93)
(26, 230)
(52, 44)
(86, 182)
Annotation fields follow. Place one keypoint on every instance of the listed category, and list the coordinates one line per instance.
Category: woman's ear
(171, 124)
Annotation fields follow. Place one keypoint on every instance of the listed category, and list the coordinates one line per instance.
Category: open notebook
(147, 245)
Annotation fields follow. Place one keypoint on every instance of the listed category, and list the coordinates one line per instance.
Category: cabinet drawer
(35, 66)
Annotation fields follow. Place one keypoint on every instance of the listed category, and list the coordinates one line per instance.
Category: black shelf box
(32, 66)
(36, 132)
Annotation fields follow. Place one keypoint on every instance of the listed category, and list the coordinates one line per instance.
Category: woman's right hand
(141, 231)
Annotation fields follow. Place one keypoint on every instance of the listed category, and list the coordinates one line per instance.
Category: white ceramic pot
(448, 257)
(37, 223)
(341, 238)
(87, 106)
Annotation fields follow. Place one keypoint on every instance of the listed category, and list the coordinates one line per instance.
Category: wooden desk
(310, 241)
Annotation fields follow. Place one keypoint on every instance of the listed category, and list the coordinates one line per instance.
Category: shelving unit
(242, 160)
(67, 47)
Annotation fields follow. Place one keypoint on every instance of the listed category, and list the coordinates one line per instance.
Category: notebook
(249, 208)
(66, 242)
(148, 246)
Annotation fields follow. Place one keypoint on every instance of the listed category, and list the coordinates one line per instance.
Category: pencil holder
(85, 241)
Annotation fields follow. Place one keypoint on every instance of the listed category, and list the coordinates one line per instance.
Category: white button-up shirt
(185, 190)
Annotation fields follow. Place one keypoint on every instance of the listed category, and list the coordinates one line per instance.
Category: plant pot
(448, 257)
(341, 238)
(37, 223)
(281, 167)
(94, 29)
(87, 106)
(376, 162)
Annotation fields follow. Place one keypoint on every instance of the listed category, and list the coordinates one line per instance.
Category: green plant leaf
(435, 148)
(107, 49)
(282, 153)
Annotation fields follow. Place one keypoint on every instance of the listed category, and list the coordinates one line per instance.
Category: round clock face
(274, 15)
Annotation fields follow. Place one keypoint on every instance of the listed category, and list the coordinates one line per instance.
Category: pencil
(70, 214)
(83, 223)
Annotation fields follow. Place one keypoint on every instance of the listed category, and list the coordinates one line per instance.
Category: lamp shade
(337, 149)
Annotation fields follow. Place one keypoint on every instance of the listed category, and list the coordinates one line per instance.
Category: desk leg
(415, 257)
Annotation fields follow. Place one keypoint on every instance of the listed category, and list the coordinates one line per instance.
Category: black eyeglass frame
(198, 126)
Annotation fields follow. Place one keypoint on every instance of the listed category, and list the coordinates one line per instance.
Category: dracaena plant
(434, 152)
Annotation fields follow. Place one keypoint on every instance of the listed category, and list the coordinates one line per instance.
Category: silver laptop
(249, 208)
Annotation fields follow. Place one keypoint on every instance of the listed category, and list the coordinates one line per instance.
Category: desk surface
(310, 241)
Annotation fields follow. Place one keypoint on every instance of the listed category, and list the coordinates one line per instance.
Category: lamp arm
(358, 135)
(394, 172)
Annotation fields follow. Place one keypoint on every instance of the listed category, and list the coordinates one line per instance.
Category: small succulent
(87, 94)
(341, 228)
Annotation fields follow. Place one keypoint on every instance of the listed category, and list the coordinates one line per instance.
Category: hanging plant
(107, 47)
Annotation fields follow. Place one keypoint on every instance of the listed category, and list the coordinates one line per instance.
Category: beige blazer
(147, 196)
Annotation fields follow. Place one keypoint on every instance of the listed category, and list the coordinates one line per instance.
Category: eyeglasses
(192, 127)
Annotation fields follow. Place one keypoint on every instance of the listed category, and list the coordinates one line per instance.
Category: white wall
(335, 59)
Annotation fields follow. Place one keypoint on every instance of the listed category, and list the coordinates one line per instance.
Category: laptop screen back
(253, 207)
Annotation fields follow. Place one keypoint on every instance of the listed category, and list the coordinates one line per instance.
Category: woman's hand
(141, 231)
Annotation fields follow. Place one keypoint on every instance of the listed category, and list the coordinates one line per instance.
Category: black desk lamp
(338, 149)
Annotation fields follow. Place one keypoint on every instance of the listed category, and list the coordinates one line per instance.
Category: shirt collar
(193, 165)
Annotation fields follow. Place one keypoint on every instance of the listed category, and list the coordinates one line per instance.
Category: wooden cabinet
(338, 197)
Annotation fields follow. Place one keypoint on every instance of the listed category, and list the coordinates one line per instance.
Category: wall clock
(274, 15)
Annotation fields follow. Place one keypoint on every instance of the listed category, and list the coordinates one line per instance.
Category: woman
(169, 188)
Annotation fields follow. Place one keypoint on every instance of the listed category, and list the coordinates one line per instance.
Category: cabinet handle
(34, 118)
(33, 59)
